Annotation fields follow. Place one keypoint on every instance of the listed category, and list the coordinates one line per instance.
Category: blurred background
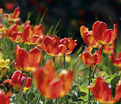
(71, 14)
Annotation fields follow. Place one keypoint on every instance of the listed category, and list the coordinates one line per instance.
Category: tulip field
(39, 67)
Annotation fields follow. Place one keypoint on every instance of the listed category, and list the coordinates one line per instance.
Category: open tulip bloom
(50, 85)
(88, 37)
(17, 81)
(91, 59)
(27, 61)
(102, 34)
(12, 17)
(102, 92)
(98, 34)
(57, 47)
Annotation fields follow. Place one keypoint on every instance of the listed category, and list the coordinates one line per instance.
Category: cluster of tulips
(100, 39)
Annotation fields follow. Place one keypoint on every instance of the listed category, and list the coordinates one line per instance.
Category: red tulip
(27, 61)
(102, 92)
(69, 43)
(16, 13)
(55, 47)
(102, 34)
(51, 86)
(13, 33)
(88, 37)
(17, 81)
(3, 98)
(32, 35)
(91, 59)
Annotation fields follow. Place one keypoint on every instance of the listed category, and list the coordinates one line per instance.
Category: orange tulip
(14, 34)
(88, 37)
(14, 16)
(3, 98)
(32, 35)
(102, 34)
(102, 92)
(91, 59)
(55, 47)
(51, 86)
(27, 61)
(69, 43)
(17, 81)
(116, 61)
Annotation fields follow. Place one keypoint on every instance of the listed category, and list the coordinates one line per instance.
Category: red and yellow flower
(17, 81)
(51, 86)
(102, 92)
(27, 61)
(88, 37)
(91, 59)
(102, 34)
(4, 98)
(56, 47)
(32, 35)
(13, 17)
(69, 43)
(14, 33)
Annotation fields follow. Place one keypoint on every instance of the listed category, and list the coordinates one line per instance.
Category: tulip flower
(102, 34)
(116, 61)
(91, 59)
(14, 34)
(88, 37)
(51, 86)
(16, 13)
(3, 98)
(102, 92)
(17, 81)
(14, 16)
(55, 47)
(32, 35)
(69, 43)
(27, 61)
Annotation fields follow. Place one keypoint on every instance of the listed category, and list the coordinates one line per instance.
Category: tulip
(17, 81)
(91, 59)
(51, 86)
(56, 47)
(102, 34)
(27, 61)
(88, 37)
(102, 92)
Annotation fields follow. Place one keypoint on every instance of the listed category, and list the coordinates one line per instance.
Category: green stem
(53, 58)
(89, 84)
(64, 61)
(94, 71)
(38, 99)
